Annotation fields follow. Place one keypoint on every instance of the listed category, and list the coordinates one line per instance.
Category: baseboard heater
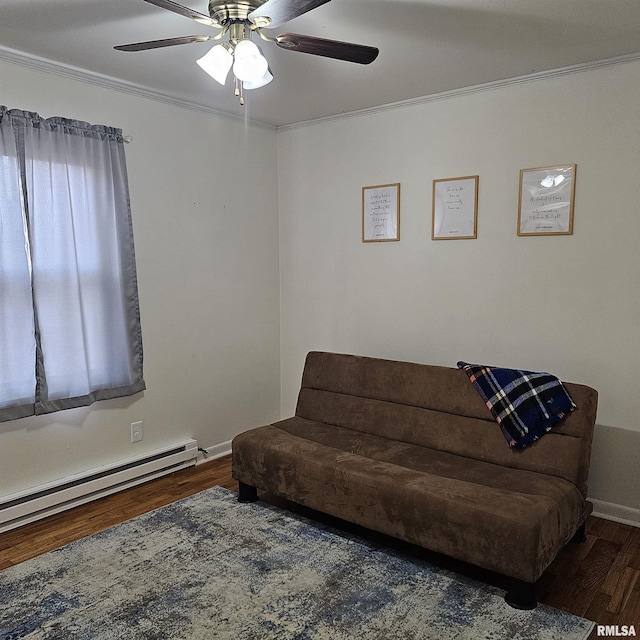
(45, 500)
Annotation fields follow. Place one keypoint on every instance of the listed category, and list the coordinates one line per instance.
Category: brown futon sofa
(411, 451)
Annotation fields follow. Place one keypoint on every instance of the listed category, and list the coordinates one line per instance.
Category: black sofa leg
(247, 493)
(521, 595)
(580, 535)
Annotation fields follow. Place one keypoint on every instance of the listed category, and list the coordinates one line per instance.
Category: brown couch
(412, 451)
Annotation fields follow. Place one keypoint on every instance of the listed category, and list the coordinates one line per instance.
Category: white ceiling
(426, 47)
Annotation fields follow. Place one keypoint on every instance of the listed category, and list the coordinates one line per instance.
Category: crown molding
(464, 91)
(89, 77)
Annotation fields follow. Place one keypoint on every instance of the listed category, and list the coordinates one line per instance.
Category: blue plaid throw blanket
(525, 404)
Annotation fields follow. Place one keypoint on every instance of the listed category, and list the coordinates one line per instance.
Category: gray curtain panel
(69, 316)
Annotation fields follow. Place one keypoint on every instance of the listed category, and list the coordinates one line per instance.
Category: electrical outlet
(136, 431)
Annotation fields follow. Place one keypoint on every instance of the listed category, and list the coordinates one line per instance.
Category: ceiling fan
(240, 19)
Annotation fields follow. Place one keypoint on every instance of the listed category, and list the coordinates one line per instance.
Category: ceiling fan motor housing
(224, 13)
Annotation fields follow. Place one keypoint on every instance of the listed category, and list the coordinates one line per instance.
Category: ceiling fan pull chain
(238, 91)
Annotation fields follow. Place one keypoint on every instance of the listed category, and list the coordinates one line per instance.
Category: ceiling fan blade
(281, 11)
(183, 11)
(328, 48)
(156, 44)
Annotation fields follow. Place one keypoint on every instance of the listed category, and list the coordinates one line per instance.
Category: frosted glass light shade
(266, 79)
(250, 65)
(217, 63)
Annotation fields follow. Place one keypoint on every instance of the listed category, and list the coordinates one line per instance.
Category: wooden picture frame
(545, 201)
(455, 208)
(381, 213)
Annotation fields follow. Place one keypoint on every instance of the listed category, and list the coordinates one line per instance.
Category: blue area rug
(207, 567)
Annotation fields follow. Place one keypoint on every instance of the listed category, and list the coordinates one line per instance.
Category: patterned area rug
(207, 567)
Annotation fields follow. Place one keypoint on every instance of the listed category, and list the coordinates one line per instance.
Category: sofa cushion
(513, 521)
(436, 407)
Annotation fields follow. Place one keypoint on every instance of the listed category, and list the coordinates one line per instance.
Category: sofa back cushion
(437, 407)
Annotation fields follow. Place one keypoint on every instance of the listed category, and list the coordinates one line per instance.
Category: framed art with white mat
(381, 213)
(455, 208)
(545, 204)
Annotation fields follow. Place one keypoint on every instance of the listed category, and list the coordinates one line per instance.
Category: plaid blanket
(525, 404)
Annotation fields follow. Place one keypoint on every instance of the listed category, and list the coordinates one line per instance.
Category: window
(69, 318)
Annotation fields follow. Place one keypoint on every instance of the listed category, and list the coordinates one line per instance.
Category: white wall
(207, 257)
(566, 304)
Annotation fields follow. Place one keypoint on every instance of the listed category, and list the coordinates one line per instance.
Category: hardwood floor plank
(595, 566)
(569, 595)
(631, 612)
(569, 561)
(624, 588)
(634, 548)
(597, 611)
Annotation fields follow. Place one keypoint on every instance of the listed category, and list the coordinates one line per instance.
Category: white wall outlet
(136, 431)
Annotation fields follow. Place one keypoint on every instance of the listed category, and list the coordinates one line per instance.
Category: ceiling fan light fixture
(238, 19)
(217, 63)
(249, 63)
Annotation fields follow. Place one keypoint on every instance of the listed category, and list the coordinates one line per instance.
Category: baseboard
(616, 512)
(54, 497)
(216, 451)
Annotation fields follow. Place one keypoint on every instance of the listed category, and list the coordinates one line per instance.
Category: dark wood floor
(599, 579)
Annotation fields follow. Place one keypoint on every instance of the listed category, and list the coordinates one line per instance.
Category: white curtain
(69, 316)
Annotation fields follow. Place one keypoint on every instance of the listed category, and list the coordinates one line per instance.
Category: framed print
(381, 213)
(455, 208)
(545, 206)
